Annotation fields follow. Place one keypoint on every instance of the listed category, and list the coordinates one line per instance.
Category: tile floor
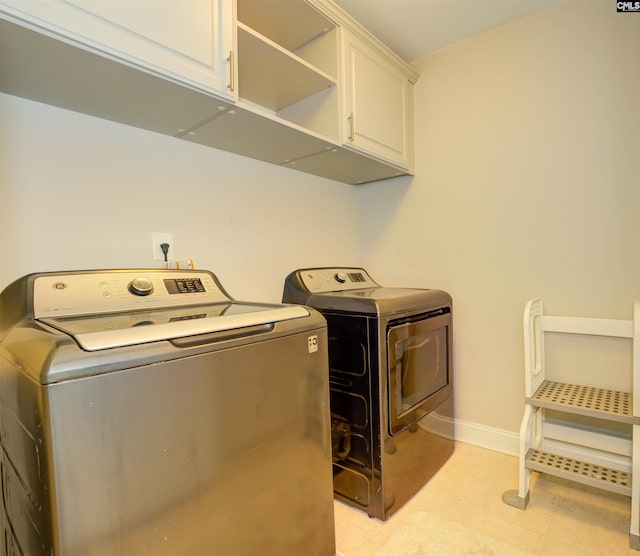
(460, 512)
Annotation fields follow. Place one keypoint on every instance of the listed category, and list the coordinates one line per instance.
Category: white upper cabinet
(291, 82)
(378, 103)
(308, 64)
(188, 42)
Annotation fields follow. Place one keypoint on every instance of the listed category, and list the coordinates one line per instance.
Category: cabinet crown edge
(341, 18)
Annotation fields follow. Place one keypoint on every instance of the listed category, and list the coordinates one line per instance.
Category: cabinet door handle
(232, 71)
(352, 134)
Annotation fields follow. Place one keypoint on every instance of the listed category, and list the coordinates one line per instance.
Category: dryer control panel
(318, 280)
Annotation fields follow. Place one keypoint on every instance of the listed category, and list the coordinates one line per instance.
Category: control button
(141, 286)
(340, 277)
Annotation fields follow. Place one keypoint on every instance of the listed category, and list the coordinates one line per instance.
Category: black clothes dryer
(391, 381)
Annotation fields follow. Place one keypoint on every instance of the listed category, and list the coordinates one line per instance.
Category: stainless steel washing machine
(146, 412)
(391, 381)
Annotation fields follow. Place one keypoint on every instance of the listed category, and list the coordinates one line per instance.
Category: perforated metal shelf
(585, 400)
(579, 471)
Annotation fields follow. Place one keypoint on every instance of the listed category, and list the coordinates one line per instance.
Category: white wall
(527, 185)
(80, 192)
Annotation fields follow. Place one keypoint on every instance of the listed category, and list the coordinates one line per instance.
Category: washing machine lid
(97, 332)
(117, 308)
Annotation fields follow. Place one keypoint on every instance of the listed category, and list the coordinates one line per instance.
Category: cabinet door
(378, 104)
(186, 42)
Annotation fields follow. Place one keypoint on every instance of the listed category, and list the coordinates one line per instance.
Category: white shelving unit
(288, 63)
(275, 77)
(553, 436)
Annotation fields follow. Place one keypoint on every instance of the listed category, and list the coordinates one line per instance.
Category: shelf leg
(513, 498)
(634, 531)
(529, 438)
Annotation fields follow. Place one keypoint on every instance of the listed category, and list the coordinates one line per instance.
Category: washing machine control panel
(96, 292)
(317, 280)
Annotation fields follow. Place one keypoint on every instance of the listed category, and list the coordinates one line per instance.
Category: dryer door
(418, 367)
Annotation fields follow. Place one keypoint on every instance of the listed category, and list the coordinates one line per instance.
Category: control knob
(141, 286)
(340, 277)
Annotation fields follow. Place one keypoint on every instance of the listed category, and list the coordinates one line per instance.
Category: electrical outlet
(158, 239)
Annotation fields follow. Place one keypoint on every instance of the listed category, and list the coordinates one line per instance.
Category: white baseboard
(491, 438)
(498, 440)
